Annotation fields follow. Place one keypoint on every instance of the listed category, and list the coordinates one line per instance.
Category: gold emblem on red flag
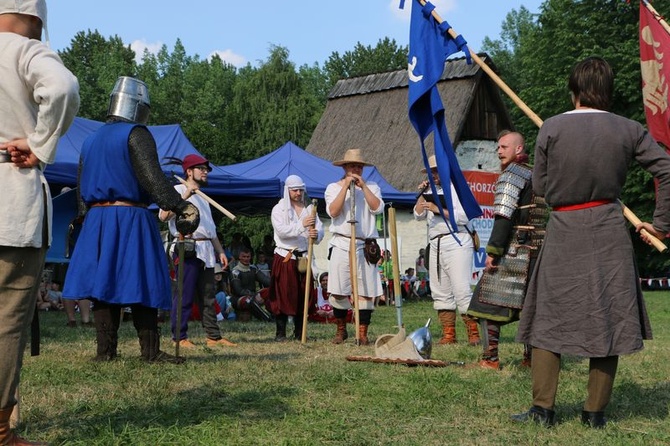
(655, 85)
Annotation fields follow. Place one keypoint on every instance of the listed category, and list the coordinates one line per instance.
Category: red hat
(193, 160)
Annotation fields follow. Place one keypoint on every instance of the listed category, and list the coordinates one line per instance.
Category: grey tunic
(584, 296)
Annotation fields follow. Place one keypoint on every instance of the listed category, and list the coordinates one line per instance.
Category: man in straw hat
(368, 203)
(199, 285)
(293, 226)
(450, 259)
(40, 99)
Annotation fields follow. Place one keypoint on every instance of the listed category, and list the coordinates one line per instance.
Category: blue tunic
(119, 256)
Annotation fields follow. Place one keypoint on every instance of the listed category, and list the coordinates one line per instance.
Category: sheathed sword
(180, 291)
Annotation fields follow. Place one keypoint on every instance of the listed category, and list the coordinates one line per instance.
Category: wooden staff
(353, 259)
(396, 267)
(636, 221)
(632, 218)
(308, 276)
(209, 200)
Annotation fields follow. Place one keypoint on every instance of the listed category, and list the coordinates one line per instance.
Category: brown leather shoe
(185, 343)
(489, 364)
(223, 342)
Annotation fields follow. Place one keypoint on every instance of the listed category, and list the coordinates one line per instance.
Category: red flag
(655, 67)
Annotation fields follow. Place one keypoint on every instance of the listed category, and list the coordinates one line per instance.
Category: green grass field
(267, 393)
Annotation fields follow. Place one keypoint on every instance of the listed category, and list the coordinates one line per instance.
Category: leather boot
(341, 334)
(595, 420)
(150, 348)
(472, 329)
(448, 321)
(106, 333)
(280, 333)
(363, 335)
(7, 437)
(537, 414)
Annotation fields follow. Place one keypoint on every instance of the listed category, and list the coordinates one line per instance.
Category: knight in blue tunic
(119, 260)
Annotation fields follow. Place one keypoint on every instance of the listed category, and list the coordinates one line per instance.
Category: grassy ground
(265, 393)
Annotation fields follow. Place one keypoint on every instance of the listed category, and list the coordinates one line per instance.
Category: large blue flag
(429, 47)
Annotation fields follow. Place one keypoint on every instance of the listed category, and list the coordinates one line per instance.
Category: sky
(243, 32)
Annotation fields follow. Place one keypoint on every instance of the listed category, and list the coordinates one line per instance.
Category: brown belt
(117, 203)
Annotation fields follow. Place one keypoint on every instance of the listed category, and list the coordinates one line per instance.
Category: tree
(270, 106)
(97, 63)
(363, 60)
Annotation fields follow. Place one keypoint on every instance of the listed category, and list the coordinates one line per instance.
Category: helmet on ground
(423, 341)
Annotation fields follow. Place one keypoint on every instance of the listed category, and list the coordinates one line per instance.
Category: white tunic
(289, 233)
(39, 99)
(206, 231)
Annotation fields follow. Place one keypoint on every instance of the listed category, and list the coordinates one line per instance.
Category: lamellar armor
(515, 201)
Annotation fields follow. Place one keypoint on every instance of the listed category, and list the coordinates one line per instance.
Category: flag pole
(503, 86)
(632, 218)
(657, 16)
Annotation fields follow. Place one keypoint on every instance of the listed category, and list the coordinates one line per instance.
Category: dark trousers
(199, 289)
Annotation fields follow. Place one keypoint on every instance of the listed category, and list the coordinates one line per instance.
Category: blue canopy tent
(237, 194)
(171, 142)
(317, 172)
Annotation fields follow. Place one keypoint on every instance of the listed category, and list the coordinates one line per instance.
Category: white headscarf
(292, 182)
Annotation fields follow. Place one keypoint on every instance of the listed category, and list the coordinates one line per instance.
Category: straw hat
(432, 163)
(352, 156)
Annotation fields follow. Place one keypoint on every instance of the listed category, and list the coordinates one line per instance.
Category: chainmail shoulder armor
(144, 157)
(508, 189)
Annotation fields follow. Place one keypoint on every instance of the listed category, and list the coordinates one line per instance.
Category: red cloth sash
(577, 207)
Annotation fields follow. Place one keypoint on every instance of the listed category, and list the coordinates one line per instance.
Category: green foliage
(386, 56)
(97, 63)
(535, 54)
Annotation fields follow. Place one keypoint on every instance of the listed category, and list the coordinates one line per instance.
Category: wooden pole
(636, 221)
(353, 260)
(396, 267)
(658, 16)
(209, 200)
(632, 218)
(308, 277)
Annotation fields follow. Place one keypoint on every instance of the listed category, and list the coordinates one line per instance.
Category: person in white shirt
(368, 203)
(293, 226)
(449, 261)
(199, 285)
(40, 98)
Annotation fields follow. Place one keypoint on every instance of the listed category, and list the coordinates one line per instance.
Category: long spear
(308, 277)
(632, 218)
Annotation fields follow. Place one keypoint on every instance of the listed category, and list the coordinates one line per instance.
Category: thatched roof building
(370, 113)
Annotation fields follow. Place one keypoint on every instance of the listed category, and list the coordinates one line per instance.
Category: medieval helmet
(129, 100)
(423, 341)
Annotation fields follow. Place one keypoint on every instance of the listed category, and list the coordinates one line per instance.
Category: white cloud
(230, 57)
(441, 7)
(140, 45)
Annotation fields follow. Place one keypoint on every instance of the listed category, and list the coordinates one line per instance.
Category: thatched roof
(370, 113)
